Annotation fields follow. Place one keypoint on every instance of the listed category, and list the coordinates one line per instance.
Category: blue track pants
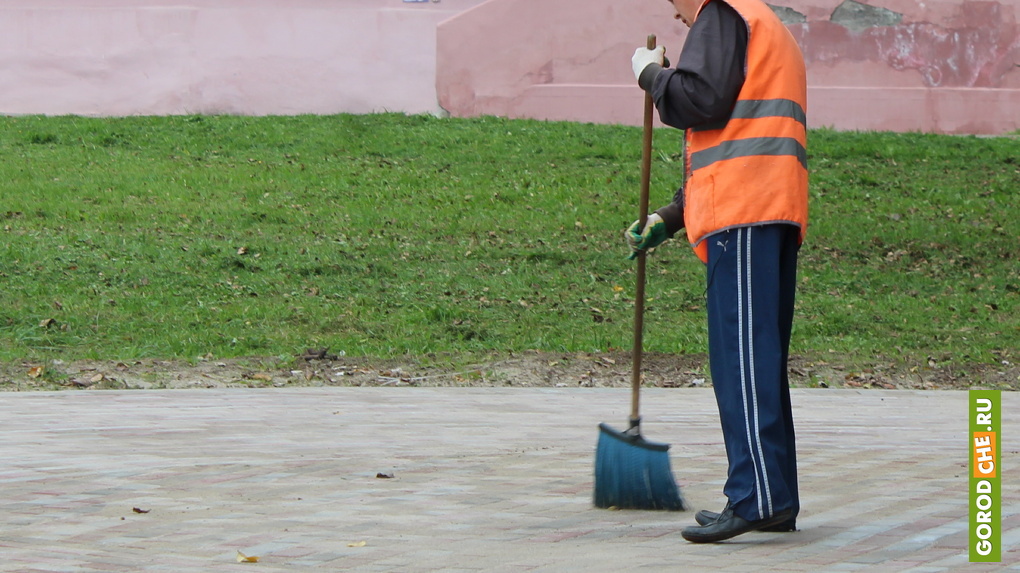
(752, 277)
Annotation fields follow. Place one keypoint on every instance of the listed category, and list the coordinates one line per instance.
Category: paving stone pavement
(483, 479)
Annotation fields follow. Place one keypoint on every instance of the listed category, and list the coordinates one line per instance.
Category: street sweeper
(738, 91)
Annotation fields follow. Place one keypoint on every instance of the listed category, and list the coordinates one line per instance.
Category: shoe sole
(695, 537)
(704, 517)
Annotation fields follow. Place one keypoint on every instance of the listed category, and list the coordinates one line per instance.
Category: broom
(631, 472)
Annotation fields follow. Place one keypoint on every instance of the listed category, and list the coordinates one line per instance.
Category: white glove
(644, 56)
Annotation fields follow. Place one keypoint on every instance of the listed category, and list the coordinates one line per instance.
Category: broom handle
(639, 295)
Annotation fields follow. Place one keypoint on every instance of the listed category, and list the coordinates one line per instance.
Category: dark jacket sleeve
(709, 72)
(704, 85)
(673, 214)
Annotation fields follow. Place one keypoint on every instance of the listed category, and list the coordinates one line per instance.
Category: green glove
(653, 235)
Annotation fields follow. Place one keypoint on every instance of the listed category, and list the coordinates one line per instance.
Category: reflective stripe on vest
(747, 147)
(750, 109)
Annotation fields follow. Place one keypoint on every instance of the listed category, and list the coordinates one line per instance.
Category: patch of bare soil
(531, 369)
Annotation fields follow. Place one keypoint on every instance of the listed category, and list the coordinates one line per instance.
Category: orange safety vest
(752, 170)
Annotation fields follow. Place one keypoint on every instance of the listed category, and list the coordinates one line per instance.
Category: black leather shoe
(705, 517)
(730, 525)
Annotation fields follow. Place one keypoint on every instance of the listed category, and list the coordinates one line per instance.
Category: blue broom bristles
(632, 473)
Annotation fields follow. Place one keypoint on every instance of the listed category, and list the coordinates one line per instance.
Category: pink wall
(939, 65)
(127, 57)
(943, 66)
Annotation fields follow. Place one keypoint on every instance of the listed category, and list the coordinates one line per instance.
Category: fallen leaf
(98, 378)
(358, 544)
(35, 371)
(48, 322)
(140, 510)
(381, 475)
(242, 558)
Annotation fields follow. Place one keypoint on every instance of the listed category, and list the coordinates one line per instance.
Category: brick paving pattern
(483, 479)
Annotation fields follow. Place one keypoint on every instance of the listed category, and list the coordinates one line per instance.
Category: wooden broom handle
(639, 294)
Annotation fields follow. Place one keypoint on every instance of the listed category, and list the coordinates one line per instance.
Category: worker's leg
(750, 302)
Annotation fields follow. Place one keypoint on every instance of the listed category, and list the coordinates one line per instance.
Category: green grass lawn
(395, 236)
